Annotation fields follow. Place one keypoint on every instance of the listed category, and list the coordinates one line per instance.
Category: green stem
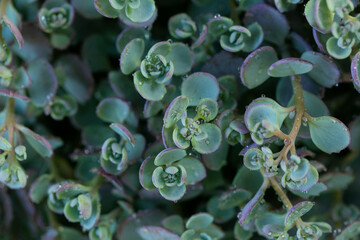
(10, 126)
(3, 7)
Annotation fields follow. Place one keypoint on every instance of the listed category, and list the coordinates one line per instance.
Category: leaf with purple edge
(200, 85)
(272, 22)
(175, 110)
(289, 67)
(124, 133)
(329, 134)
(145, 173)
(325, 72)
(233, 198)
(169, 155)
(296, 212)
(104, 8)
(131, 55)
(195, 170)
(355, 69)
(113, 110)
(39, 143)
(156, 233)
(254, 69)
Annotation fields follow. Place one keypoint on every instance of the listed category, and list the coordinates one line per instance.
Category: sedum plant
(179, 120)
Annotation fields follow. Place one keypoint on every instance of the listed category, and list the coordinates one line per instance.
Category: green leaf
(207, 109)
(142, 13)
(337, 180)
(199, 221)
(200, 85)
(257, 36)
(145, 173)
(113, 110)
(289, 67)
(37, 142)
(43, 82)
(161, 48)
(148, 89)
(104, 8)
(124, 133)
(156, 233)
(350, 232)
(325, 71)
(169, 155)
(218, 25)
(175, 110)
(174, 223)
(296, 212)
(70, 190)
(78, 79)
(182, 57)
(195, 170)
(211, 142)
(329, 134)
(21, 79)
(323, 16)
(39, 188)
(336, 51)
(131, 55)
(233, 198)
(250, 159)
(254, 69)
(173, 193)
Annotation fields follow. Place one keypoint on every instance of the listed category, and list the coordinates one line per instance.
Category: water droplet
(217, 15)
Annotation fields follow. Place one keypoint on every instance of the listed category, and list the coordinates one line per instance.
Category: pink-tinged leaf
(15, 31)
(39, 143)
(8, 93)
(123, 132)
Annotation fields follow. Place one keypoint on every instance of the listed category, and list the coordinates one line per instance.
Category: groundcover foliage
(186, 119)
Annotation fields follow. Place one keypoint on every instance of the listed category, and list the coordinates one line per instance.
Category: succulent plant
(179, 120)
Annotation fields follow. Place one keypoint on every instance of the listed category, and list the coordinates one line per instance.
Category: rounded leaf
(148, 89)
(329, 134)
(175, 110)
(254, 69)
(182, 57)
(211, 142)
(199, 221)
(104, 8)
(131, 55)
(336, 51)
(296, 212)
(325, 71)
(195, 170)
(169, 155)
(289, 67)
(113, 110)
(233, 198)
(200, 85)
(142, 13)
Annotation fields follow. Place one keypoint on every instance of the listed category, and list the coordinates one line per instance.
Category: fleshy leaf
(200, 85)
(145, 173)
(156, 233)
(276, 29)
(131, 55)
(254, 69)
(44, 82)
(325, 71)
(211, 142)
(182, 57)
(296, 212)
(113, 110)
(329, 134)
(104, 8)
(336, 51)
(124, 133)
(195, 170)
(233, 198)
(350, 232)
(39, 143)
(169, 155)
(150, 90)
(199, 221)
(289, 67)
(174, 111)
